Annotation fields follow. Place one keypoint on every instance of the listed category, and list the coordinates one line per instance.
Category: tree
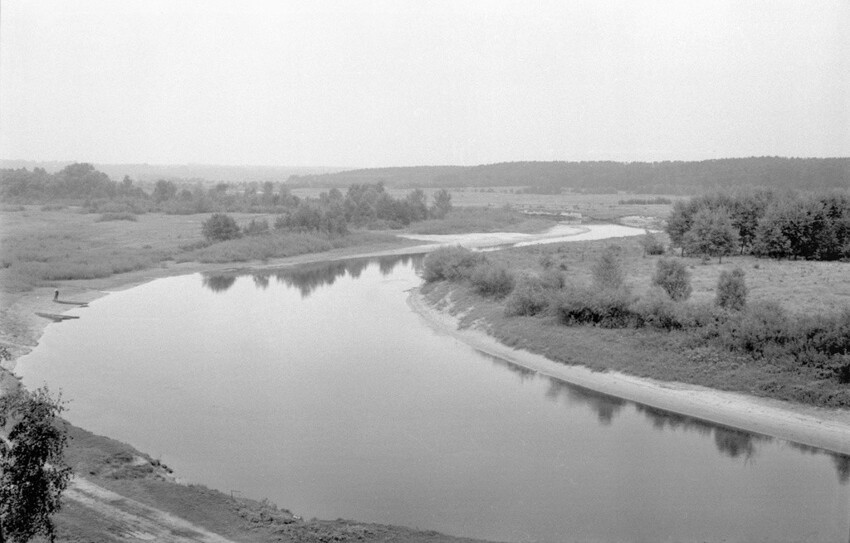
(674, 278)
(608, 271)
(442, 204)
(679, 222)
(164, 190)
(33, 472)
(711, 234)
(416, 201)
(731, 290)
(220, 227)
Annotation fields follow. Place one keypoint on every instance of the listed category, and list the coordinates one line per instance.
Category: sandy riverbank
(818, 427)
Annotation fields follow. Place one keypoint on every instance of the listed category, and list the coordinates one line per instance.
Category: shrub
(731, 290)
(761, 327)
(674, 278)
(256, 227)
(651, 244)
(117, 217)
(705, 316)
(823, 342)
(220, 227)
(657, 310)
(492, 280)
(450, 264)
(552, 279)
(606, 308)
(529, 297)
(608, 271)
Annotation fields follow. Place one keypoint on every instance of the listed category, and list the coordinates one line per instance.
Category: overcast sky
(363, 83)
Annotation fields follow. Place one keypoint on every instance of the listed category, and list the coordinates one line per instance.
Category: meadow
(767, 352)
(40, 246)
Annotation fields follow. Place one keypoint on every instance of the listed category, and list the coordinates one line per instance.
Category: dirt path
(133, 521)
(824, 428)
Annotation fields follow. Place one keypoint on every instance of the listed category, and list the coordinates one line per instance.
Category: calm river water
(319, 388)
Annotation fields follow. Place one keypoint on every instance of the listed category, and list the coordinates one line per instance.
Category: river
(318, 388)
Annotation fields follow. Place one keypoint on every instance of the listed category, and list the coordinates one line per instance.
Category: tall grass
(32, 259)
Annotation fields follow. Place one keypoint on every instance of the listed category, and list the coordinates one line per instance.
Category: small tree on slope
(33, 473)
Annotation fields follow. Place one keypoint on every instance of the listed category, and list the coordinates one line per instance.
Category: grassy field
(800, 288)
(43, 246)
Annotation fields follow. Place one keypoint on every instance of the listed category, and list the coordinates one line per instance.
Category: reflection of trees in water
(307, 278)
(261, 281)
(730, 442)
(734, 443)
(842, 467)
(606, 407)
(840, 461)
(522, 372)
(218, 283)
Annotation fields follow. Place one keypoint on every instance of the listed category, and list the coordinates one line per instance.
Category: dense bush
(490, 279)
(606, 308)
(657, 310)
(651, 244)
(674, 278)
(256, 227)
(531, 296)
(761, 328)
(220, 227)
(731, 290)
(450, 264)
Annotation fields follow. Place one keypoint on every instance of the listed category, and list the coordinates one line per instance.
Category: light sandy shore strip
(819, 427)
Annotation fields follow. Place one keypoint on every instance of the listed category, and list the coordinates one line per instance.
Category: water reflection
(730, 442)
(606, 407)
(261, 281)
(522, 372)
(307, 278)
(840, 461)
(219, 282)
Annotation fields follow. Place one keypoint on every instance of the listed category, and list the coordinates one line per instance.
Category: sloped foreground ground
(119, 494)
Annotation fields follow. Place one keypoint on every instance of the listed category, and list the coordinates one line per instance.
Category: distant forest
(150, 173)
(610, 177)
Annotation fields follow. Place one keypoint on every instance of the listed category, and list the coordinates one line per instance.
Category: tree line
(667, 177)
(332, 213)
(813, 226)
(362, 205)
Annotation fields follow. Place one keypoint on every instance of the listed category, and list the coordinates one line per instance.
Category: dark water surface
(318, 388)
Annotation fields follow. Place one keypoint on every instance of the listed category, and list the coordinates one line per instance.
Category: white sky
(373, 83)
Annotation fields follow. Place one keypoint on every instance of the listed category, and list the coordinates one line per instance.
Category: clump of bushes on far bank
(462, 265)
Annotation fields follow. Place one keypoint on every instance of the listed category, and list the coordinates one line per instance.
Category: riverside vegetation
(575, 303)
(94, 227)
